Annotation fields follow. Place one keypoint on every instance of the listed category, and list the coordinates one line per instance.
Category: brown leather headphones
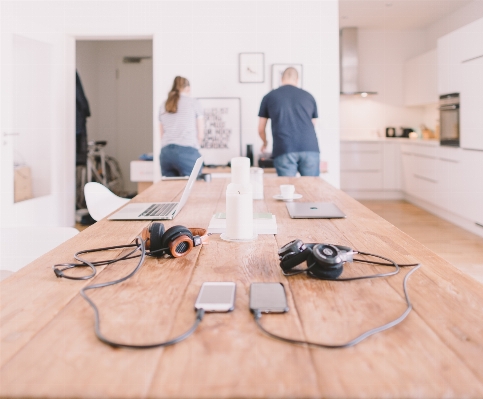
(177, 241)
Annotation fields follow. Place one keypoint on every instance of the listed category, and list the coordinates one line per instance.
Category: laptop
(314, 210)
(158, 210)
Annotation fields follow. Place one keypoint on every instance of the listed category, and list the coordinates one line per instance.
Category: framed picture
(251, 67)
(222, 140)
(278, 69)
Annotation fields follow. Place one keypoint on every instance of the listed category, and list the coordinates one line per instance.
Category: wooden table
(48, 347)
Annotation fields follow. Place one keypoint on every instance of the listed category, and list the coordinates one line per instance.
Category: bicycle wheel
(114, 176)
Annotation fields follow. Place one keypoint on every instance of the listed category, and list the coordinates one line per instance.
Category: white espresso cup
(287, 191)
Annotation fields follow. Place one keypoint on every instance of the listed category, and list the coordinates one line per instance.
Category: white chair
(101, 201)
(21, 245)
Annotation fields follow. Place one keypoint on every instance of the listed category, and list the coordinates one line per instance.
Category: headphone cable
(139, 246)
(84, 263)
(258, 315)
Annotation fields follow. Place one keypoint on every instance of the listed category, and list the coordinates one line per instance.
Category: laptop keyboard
(160, 209)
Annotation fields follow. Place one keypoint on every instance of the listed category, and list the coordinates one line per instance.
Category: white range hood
(349, 64)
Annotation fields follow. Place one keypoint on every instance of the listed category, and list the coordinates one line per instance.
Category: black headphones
(177, 241)
(324, 261)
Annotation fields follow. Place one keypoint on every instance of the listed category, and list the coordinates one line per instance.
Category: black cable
(377, 275)
(389, 263)
(258, 314)
(84, 263)
(139, 245)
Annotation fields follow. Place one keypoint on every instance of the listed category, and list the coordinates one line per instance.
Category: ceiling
(395, 14)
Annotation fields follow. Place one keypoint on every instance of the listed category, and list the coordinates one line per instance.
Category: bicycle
(100, 168)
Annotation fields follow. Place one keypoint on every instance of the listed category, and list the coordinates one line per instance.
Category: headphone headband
(176, 241)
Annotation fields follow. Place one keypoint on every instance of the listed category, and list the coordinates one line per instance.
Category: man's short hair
(290, 74)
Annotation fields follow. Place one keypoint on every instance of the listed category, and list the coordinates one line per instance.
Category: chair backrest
(21, 245)
(101, 201)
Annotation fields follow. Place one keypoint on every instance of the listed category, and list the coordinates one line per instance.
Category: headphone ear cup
(179, 240)
(328, 263)
(291, 260)
(325, 274)
(156, 233)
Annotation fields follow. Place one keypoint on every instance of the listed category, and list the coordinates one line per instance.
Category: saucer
(280, 198)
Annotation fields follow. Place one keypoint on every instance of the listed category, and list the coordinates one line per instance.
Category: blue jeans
(177, 160)
(307, 163)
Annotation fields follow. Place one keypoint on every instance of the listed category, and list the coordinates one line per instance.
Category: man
(293, 112)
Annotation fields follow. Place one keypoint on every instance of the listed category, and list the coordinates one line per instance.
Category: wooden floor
(456, 245)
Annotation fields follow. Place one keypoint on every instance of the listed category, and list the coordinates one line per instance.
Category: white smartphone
(216, 297)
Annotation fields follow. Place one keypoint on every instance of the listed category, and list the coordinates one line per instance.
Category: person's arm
(314, 121)
(262, 124)
(200, 127)
(161, 131)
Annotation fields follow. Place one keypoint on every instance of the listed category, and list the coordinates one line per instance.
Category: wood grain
(48, 347)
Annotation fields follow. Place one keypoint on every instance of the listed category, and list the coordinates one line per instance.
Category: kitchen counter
(431, 142)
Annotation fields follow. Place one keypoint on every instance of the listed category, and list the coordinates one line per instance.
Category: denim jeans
(177, 160)
(307, 163)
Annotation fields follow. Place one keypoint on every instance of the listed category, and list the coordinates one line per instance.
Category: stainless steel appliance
(449, 119)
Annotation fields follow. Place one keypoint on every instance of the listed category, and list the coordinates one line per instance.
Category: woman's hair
(179, 83)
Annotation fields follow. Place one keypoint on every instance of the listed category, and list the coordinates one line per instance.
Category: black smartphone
(268, 298)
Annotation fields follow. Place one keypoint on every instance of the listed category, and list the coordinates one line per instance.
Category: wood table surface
(48, 347)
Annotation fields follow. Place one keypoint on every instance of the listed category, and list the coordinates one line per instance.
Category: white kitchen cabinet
(361, 166)
(471, 104)
(460, 45)
(470, 203)
(421, 79)
(452, 180)
(470, 40)
(449, 64)
(420, 171)
(408, 168)
(391, 163)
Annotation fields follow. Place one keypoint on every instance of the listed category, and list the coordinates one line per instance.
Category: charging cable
(258, 313)
(139, 245)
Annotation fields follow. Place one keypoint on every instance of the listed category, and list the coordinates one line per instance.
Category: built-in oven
(449, 119)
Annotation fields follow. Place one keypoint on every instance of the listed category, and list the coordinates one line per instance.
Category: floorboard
(456, 245)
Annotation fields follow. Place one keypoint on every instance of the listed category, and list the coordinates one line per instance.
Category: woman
(182, 128)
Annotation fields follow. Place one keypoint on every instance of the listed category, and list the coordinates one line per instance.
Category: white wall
(461, 17)
(382, 54)
(123, 119)
(201, 40)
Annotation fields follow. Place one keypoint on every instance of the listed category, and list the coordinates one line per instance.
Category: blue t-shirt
(291, 110)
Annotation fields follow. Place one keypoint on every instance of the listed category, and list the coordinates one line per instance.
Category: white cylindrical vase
(239, 202)
(240, 170)
(239, 212)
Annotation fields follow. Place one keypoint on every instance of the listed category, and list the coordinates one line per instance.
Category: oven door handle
(448, 107)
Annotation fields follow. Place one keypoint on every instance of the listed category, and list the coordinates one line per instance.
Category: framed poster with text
(222, 139)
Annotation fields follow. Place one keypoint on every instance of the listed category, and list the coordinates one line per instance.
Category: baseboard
(375, 195)
(446, 215)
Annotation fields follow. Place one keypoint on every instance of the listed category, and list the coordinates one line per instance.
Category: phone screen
(268, 298)
(216, 297)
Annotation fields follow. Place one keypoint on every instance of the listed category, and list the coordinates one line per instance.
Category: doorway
(117, 78)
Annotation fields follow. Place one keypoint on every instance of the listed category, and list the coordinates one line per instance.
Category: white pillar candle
(239, 212)
(239, 201)
(240, 170)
